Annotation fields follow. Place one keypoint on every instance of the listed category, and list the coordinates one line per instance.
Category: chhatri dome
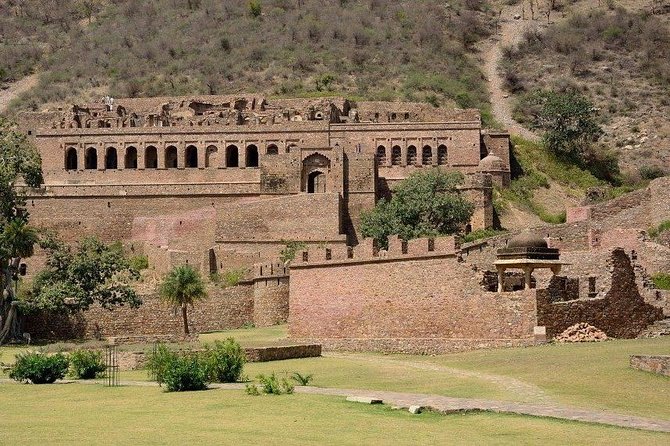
(491, 162)
(527, 239)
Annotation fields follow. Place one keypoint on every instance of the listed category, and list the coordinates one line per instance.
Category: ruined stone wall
(621, 313)
(421, 301)
(271, 285)
(224, 309)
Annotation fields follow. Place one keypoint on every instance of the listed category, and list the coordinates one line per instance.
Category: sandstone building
(222, 181)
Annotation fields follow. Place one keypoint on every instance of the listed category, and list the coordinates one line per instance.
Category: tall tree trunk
(8, 306)
(185, 318)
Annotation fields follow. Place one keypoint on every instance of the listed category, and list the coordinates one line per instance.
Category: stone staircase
(657, 329)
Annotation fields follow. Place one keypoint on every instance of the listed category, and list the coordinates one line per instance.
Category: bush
(139, 262)
(86, 364)
(270, 385)
(651, 172)
(224, 361)
(39, 368)
(159, 361)
(185, 373)
(303, 380)
(658, 230)
(661, 280)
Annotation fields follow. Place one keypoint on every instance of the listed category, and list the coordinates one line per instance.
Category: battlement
(269, 270)
(366, 251)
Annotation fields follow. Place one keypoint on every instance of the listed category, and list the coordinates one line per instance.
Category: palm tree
(182, 287)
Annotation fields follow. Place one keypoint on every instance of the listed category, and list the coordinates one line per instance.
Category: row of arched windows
(113, 159)
(411, 155)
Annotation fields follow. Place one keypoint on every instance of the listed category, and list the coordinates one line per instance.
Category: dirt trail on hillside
(15, 89)
(510, 32)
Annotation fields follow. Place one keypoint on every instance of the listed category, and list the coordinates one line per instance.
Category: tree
(182, 287)
(76, 278)
(569, 121)
(424, 204)
(20, 167)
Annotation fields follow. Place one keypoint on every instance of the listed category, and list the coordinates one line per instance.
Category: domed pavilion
(526, 251)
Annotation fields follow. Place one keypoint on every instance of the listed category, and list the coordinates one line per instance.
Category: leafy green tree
(569, 121)
(20, 168)
(182, 287)
(76, 278)
(424, 204)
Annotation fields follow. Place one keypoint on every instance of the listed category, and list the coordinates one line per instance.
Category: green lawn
(83, 414)
(251, 337)
(593, 375)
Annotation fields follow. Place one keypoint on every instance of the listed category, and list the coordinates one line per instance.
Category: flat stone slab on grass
(364, 399)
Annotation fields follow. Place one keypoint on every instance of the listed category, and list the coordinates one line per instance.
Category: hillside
(369, 49)
(615, 53)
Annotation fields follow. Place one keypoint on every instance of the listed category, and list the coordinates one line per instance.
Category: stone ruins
(223, 182)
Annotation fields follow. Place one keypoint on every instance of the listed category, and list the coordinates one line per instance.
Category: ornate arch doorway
(315, 169)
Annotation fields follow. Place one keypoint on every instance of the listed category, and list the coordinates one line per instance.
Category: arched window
(427, 155)
(381, 155)
(252, 156)
(71, 159)
(131, 158)
(191, 156)
(150, 157)
(211, 156)
(411, 155)
(396, 156)
(232, 156)
(91, 158)
(111, 160)
(171, 157)
(272, 150)
(442, 156)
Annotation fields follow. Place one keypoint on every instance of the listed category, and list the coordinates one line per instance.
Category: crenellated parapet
(270, 270)
(367, 251)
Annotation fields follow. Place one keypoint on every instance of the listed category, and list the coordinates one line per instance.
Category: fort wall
(421, 301)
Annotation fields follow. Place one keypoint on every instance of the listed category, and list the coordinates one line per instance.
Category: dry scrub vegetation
(373, 49)
(618, 58)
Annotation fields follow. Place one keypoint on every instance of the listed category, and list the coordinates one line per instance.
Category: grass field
(82, 414)
(594, 376)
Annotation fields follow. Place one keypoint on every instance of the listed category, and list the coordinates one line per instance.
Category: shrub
(159, 361)
(185, 373)
(661, 280)
(303, 380)
(270, 385)
(658, 230)
(480, 234)
(233, 276)
(224, 361)
(139, 262)
(39, 368)
(86, 364)
(651, 172)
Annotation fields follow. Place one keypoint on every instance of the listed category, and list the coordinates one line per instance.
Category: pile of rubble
(581, 332)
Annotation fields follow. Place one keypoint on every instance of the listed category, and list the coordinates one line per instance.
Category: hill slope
(373, 49)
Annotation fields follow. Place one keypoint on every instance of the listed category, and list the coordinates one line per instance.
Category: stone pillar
(81, 158)
(403, 155)
(100, 150)
(242, 155)
(202, 153)
(501, 278)
(181, 153)
(160, 153)
(141, 152)
(527, 273)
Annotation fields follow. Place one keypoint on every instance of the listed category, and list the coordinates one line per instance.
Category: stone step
(657, 329)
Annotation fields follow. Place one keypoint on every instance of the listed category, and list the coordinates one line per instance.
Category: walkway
(446, 405)
(510, 33)
(15, 89)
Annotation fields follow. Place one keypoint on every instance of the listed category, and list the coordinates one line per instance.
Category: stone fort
(219, 180)
(223, 183)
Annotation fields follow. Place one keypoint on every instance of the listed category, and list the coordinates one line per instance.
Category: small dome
(527, 240)
(491, 162)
